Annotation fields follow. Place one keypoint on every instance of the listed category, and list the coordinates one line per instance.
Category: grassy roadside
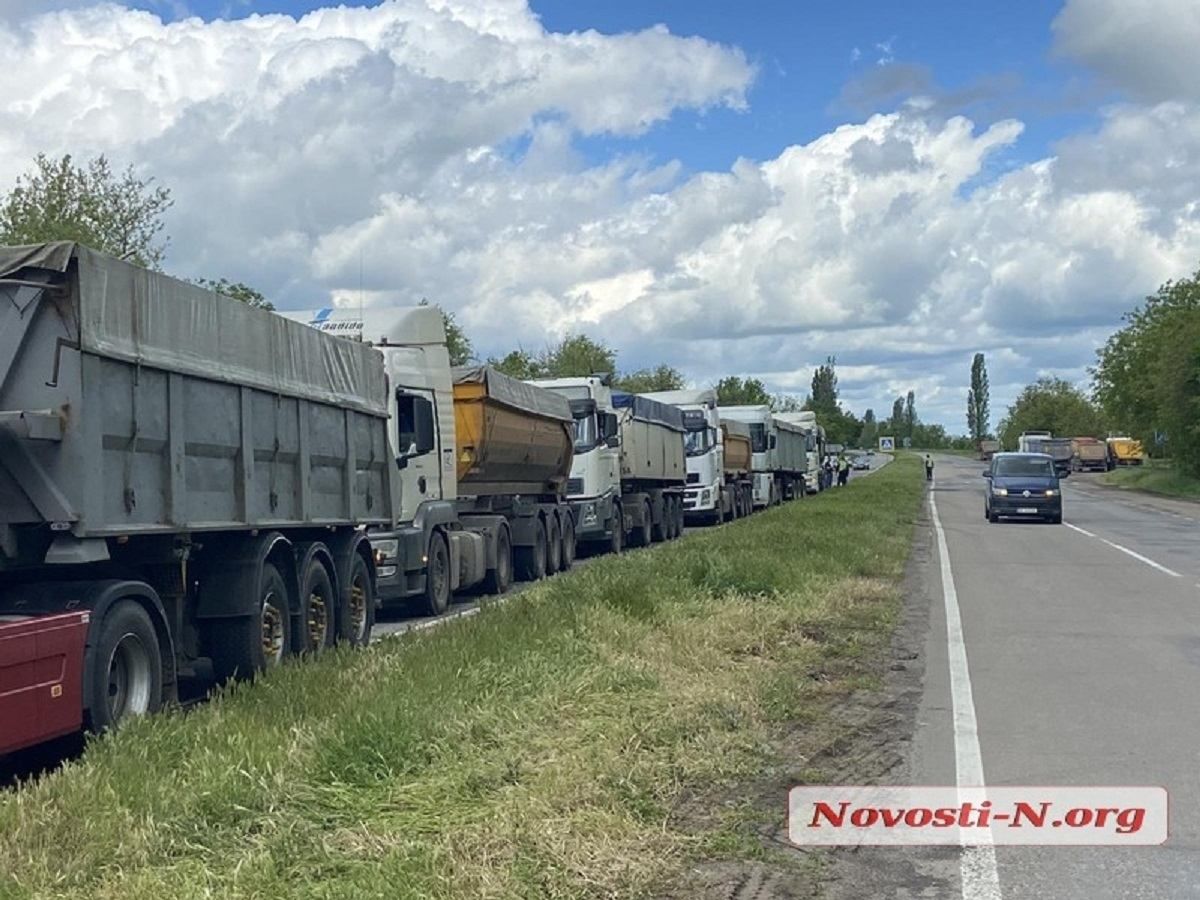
(559, 745)
(1154, 477)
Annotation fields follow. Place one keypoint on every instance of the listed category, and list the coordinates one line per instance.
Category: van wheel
(499, 579)
(531, 561)
(126, 668)
(241, 646)
(568, 542)
(553, 546)
(437, 577)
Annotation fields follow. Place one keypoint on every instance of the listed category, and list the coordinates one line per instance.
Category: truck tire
(531, 561)
(318, 608)
(248, 644)
(616, 542)
(662, 531)
(553, 546)
(499, 579)
(642, 535)
(568, 542)
(356, 611)
(126, 668)
(679, 517)
(436, 599)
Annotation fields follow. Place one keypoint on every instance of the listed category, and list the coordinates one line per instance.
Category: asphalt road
(1082, 644)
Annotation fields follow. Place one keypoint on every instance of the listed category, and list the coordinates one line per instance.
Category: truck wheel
(356, 612)
(568, 542)
(531, 561)
(679, 517)
(248, 644)
(617, 541)
(644, 532)
(499, 579)
(553, 547)
(662, 531)
(318, 608)
(126, 668)
(437, 577)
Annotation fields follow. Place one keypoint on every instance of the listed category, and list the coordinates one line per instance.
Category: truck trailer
(1125, 451)
(715, 489)
(182, 478)
(629, 470)
(814, 439)
(778, 453)
(1089, 454)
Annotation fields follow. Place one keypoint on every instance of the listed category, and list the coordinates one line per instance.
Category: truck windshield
(697, 443)
(585, 433)
(1027, 466)
(758, 437)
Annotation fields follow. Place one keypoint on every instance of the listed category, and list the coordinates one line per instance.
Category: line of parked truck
(193, 488)
(1077, 454)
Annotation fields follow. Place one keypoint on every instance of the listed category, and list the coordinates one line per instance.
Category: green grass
(548, 747)
(1154, 477)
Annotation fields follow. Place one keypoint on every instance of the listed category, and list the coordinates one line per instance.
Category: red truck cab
(41, 677)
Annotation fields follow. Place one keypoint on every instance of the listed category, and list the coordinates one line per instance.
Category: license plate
(1027, 511)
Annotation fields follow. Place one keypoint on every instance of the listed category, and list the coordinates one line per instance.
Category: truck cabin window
(586, 434)
(1024, 466)
(699, 442)
(758, 437)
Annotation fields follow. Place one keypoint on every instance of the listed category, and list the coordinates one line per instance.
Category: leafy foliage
(978, 400)
(735, 391)
(117, 214)
(457, 343)
(1053, 405)
(238, 291)
(660, 378)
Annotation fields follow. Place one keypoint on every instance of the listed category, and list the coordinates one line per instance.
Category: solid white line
(1145, 559)
(980, 880)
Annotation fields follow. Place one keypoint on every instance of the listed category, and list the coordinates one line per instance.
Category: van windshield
(1029, 466)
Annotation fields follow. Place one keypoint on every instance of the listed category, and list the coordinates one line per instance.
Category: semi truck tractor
(815, 447)
(184, 481)
(778, 453)
(630, 468)
(714, 491)
(482, 464)
(1032, 441)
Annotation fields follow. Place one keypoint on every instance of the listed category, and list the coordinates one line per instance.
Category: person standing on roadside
(843, 469)
(928, 467)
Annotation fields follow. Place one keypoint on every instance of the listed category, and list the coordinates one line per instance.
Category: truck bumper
(403, 575)
(593, 518)
(701, 502)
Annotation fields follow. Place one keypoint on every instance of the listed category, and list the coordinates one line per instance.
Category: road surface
(1082, 653)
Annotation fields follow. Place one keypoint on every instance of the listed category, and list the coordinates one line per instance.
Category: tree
(120, 215)
(868, 435)
(577, 355)
(1177, 392)
(978, 401)
(457, 343)
(910, 415)
(824, 397)
(644, 381)
(237, 290)
(784, 403)
(896, 422)
(735, 391)
(519, 364)
(1054, 405)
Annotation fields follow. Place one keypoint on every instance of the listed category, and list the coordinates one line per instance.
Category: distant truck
(814, 437)
(629, 472)
(1032, 441)
(718, 475)
(988, 449)
(1061, 451)
(779, 456)
(1125, 451)
(1089, 454)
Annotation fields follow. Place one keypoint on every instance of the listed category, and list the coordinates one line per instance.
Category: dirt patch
(866, 737)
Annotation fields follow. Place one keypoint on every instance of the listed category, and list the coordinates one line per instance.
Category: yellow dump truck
(515, 446)
(1125, 451)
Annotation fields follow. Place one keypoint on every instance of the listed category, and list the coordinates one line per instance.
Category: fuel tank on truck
(736, 436)
(651, 440)
(513, 437)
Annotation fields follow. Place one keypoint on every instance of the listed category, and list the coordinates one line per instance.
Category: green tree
(978, 400)
(1054, 405)
(784, 403)
(735, 391)
(644, 381)
(237, 290)
(896, 422)
(117, 214)
(518, 364)
(577, 355)
(458, 345)
(824, 397)
(1177, 391)
(868, 435)
(910, 415)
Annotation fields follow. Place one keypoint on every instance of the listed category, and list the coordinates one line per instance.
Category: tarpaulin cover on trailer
(648, 410)
(132, 314)
(517, 394)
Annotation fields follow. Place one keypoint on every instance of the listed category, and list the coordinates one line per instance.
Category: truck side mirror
(610, 429)
(771, 442)
(414, 427)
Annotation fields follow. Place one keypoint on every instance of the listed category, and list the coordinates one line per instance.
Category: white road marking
(980, 879)
(1144, 559)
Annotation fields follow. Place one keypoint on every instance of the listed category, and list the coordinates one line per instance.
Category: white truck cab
(705, 498)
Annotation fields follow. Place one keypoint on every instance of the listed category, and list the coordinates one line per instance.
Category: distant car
(1023, 486)
(870, 453)
(861, 462)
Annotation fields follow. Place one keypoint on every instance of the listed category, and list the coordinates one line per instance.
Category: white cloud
(427, 148)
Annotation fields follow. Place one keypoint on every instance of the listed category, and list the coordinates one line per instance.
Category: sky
(728, 188)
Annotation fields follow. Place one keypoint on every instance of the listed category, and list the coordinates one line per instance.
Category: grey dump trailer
(195, 475)
(653, 467)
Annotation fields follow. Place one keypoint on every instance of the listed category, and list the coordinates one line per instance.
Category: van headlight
(999, 492)
(1052, 492)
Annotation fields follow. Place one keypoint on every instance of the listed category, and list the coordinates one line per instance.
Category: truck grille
(574, 486)
(693, 477)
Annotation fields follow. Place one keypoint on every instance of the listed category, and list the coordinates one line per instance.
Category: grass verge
(1154, 477)
(544, 748)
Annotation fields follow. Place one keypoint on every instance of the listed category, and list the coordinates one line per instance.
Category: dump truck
(814, 439)
(1089, 454)
(185, 484)
(1032, 441)
(778, 453)
(481, 464)
(988, 449)
(1061, 451)
(629, 472)
(739, 466)
(714, 492)
(1125, 451)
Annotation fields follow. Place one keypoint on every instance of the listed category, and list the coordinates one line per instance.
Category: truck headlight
(588, 515)
(386, 549)
(999, 492)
